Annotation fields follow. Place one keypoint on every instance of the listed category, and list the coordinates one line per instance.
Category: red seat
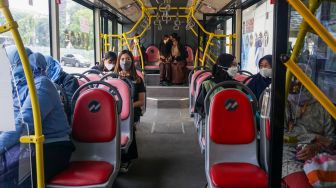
(124, 139)
(231, 142)
(228, 174)
(190, 58)
(95, 134)
(84, 173)
(153, 54)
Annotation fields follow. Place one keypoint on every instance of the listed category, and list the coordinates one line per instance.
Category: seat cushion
(123, 139)
(238, 175)
(81, 173)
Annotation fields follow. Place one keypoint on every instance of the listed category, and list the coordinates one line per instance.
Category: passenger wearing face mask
(262, 80)
(126, 69)
(108, 63)
(306, 123)
(225, 69)
(57, 146)
(165, 69)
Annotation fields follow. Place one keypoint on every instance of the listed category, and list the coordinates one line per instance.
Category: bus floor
(169, 154)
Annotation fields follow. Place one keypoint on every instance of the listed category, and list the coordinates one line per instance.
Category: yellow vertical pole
(313, 5)
(38, 138)
(207, 48)
(105, 43)
(127, 43)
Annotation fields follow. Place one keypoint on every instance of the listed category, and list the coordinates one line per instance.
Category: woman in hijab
(225, 69)
(260, 81)
(57, 146)
(108, 63)
(67, 82)
(308, 131)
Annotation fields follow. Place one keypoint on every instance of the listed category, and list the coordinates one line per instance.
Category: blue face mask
(125, 65)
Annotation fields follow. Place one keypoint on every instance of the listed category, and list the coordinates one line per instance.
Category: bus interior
(201, 93)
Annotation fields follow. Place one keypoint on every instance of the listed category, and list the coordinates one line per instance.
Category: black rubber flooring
(169, 154)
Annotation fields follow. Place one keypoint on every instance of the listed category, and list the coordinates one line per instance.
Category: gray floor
(169, 154)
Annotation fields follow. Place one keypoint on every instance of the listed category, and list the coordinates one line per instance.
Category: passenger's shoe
(165, 83)
(125, 166)
(161, 83)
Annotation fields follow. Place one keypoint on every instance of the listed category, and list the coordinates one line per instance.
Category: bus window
(76, 37)
(33, 21)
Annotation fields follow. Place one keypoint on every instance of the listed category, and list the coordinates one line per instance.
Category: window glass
(228, 31)
(33, 21)
(120, 30)
(109, 28)
(315, 52)
(257, 34)
(76, 36)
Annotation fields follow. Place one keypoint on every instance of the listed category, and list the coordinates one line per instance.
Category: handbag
(321, 170)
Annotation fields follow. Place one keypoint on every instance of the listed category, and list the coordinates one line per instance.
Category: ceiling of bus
(130, 9)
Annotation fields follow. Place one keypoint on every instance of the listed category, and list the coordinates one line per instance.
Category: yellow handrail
(311, 87)
(294, 69)
(313, 5)
(314, 23)
(38, 138)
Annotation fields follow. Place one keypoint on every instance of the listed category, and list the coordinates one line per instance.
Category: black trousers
(165, 72)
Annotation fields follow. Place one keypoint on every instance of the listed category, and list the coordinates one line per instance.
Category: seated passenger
(178, 61)
(262, 80)
(66, 81)
(225, 69)
(165, 69)
(57, 146)
(307, 122)
(108, 62)
(126, 69)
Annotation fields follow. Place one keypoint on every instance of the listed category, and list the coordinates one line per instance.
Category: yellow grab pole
(207, 47)
(127, 43)
(311, 87)
(143, 9)
(314, 23)
(193, 30)
(38, 138)
(105, 43)
(313, 5)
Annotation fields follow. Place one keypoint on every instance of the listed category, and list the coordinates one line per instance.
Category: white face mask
(109, 66)
(232, 71)
(266, 72)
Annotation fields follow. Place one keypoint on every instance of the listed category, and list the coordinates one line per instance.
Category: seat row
(102, 126)
(229, 135)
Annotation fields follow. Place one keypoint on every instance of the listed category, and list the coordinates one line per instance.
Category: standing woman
(126, 69)
(178, 62)
(108, 63)
(165, 69)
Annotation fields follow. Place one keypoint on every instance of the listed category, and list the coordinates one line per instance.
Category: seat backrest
(265, 127)
(192, 81)
(95, 127)
(199, 80)
(93, 77)
(153, 54)
(229, 137)
(190, 52)
(126, 115)
(240, 77)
